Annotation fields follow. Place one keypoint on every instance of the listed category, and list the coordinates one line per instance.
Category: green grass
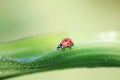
(88, 55)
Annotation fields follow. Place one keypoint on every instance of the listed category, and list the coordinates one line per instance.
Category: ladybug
(65, 43)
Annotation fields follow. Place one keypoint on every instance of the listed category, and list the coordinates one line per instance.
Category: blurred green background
(21, 18)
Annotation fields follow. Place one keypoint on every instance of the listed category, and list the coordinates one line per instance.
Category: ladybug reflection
(65, 43)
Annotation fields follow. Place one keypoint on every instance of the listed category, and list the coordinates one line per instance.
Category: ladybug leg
(58, 47)
(63, 48)
(70, 47)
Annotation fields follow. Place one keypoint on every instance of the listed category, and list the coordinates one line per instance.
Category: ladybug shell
(67, 42)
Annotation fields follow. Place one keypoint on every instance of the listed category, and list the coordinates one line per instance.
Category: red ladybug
(65, 43)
